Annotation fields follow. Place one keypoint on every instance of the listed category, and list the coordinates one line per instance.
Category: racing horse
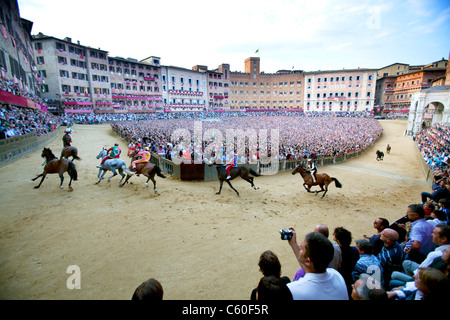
(59, 166)
(235, 172)
(112, 165)
(380, 155)
(70, 151)
(322, 180)
(148, 169)
(66, 140)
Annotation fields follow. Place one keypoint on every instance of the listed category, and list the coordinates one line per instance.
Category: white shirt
(319, 286)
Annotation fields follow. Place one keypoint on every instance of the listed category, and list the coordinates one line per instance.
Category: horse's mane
(51, 156)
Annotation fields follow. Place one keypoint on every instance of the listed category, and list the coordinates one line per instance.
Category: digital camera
(286, 234)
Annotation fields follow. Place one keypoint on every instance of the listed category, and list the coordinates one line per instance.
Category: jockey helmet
(146, 149)
(116, 144)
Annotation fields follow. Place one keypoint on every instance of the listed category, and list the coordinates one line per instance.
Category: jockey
(69, 137)
(113, 153)
(312, 169)
(69, 131)
(144, 158)
(131, 148)
(231, 164)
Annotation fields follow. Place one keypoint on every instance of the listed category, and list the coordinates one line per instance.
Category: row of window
(343, 78)
(62, 47)
(130, 65)
(262, 84)
(342, 94)
(330, 103)
(342, 86)
(189, 80)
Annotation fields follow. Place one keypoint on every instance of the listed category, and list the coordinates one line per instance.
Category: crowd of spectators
(434, 145)
(336, 270)
(17, 121)
(299, 135)
(407, 259)
(14, 88)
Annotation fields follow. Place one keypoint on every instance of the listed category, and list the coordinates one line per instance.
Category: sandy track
(197, 244)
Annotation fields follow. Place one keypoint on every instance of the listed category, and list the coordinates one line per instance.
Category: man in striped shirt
(391, 255)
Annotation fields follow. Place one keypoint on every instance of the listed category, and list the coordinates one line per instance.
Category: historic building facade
(253, 89)
(430, 106)
(85, 79)
(183, 89)
(340, 90)
(17, 63)
(394, 93)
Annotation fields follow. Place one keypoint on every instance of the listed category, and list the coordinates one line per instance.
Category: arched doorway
(432, 114)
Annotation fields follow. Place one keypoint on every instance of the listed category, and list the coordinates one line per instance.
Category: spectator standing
(272, 289)
(270, 266)
(337, 258)
(319, 282)
(350, 255)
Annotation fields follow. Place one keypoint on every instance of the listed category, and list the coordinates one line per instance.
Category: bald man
(391, 255)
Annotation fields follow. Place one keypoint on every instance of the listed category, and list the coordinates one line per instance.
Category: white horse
(112, 165)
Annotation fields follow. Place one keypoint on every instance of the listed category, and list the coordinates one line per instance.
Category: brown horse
(66, 140)
(322, 180)
(70, 152)
(147, 169)
(53, 165)
(235, 172)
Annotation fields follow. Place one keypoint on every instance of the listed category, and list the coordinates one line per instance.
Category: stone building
(340, 90)
(254, 89)
(85, 79)
(430, 106)
(183, 89)
(17, 64)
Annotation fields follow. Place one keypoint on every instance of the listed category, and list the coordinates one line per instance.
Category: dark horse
(66, 140)
(70, 152)
(59, 166)
(322, 180)
(380, 155)
(147, 169)
(235, 172)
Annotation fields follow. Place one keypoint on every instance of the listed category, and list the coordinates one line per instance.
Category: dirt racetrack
(197, 244)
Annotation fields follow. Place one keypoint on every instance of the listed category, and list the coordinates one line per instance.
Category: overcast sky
(301, 34)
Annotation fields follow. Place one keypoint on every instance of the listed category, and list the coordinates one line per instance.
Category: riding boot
(228, 177)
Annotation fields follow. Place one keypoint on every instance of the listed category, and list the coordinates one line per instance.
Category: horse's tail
(127, 171)
(159, 172)
(75, 156)
(254, 173)
(337, 183)
(72, 171)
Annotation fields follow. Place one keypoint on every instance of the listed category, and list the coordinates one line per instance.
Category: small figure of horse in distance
(148, 169)
(70, 151)
(322, 180)
(112, 165)
(380, 155)
(240, 171)
(388, 149)
(59, 166)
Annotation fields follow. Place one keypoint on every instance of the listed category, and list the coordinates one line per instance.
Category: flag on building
(257, 51)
